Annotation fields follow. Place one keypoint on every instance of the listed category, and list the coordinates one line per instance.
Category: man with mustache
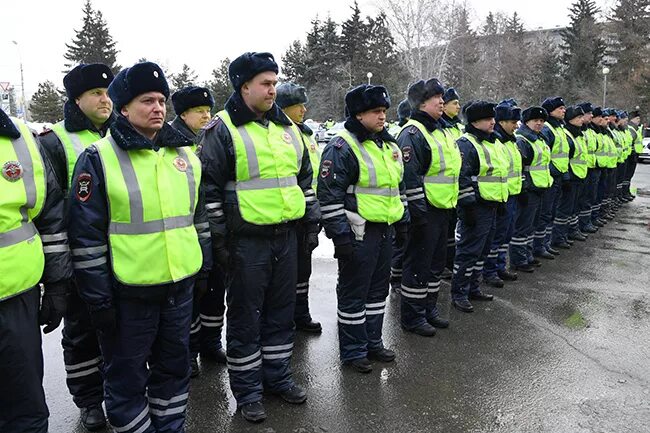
(88, 114)
(258, 186)
(139, 245)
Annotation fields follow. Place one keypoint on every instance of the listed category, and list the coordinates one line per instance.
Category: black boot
(383, 355)
(507, 275)
(309, 326)
(362, 365)
(253, 412)
(93, 418)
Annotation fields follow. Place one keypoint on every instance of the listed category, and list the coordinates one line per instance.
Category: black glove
(53, 305)
(104, 320)
(522, 199)
(220, 252)
(311, 242)
(469, 216)
(401, 235)
(200, 287)
(566, 186)
(501, 209)
(343, 251)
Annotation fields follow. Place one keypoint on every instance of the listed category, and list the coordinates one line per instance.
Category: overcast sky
(199, 33)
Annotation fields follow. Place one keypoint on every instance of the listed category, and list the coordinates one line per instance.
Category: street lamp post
(369, 75)
(22, 81)
(605, 72)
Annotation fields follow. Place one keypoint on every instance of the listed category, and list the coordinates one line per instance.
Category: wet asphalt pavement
(565, 349)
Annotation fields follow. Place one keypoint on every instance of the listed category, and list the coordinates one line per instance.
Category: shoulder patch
(339, 143)
(325, 168)
(406, 153)
(413, 130)
(45, 131)
(215, 120)
(84, 187)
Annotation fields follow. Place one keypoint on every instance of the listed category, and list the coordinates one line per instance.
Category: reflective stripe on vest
(267, 163)
(441, 178)
(492, 179)
(560, 149)
(314, 157)
(514, 167)
(618, 143)
(22, 196)
(144, 223)
(539, 168)
(380, 173)
(73, 144)
(579, 160)
(592, 146)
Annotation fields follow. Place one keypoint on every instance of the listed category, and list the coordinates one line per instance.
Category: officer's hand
(501, 209)
(343, 251)
(220, 253)
(469, 215)
(53, 305)
(200, 287)
(311, 242)
(401, 235)
(104, 320)
(522, 199)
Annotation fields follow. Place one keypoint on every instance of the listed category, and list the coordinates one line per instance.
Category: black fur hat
(532, 113)
(479, 110)
(365, 97)
(190, 97)
(597, 111)
(248, 65)
(422, 90)
(572, 112)
(450, 95)
(85, 77)
(587, 107)
(552, 103)
(404, 110)
(288, 94)
(507, 112)
(138, 79)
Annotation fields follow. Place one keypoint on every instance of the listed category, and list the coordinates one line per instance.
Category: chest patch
(84, 187)
(12, 171)
(180, 164)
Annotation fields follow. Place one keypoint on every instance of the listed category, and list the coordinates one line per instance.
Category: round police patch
(286, 137)
(406, 153)
(325, 168)
(12, 171)
(84, 188)
(180, 164)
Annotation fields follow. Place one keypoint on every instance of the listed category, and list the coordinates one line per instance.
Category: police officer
(495, 271)
(588, 198)
(88, 114)
(451, 118)
(431, 168)
(404, 114)
(360, 191)
(483, 187)
(602, 163)
(555, 136)
(535, 159)
(636, 131)
(291, 98)
(628, 148)
(192, 106)
(578, 169)
(258, 183)
(619, 171)
(607, 187)
(137, 253)
(329, 123)
(33, 249)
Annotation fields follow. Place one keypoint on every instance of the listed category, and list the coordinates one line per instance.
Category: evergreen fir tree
(186, 77)
(220, 85)
(93, 43)
(462, 65)
(354, 46)
(294, 62)
(47, 103)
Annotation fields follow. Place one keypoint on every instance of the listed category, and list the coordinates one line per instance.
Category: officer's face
(636, 121)
(587, 118)
(296, 112)
(452, 108)
(485, 125)
(509, 126)
(259, 93)
(622, 122)
(598, 120)
(434, 106)
(558, 113)
(373, 120)
(535, 124)
(196, 117)
(146, 112)
(577, 121)
(96, 105)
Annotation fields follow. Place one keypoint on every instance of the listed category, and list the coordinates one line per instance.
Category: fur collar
(128, 138)
(75, 120)
(240, 114)
(362, 134)
(7, 127)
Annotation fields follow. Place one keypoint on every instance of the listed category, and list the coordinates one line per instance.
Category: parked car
(330, 133)
(318, 129)
(645, 155)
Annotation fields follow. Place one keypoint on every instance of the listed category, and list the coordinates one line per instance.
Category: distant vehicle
(318, 128)
(645, 155)
(330, 133)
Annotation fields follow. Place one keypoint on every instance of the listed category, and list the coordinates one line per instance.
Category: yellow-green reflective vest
(455, 131)
(628, 141)
(492, 178)
(22, 195)
(637, 138)
(514, 167)
(314, 158)
(152, 198)
(559, 149)
(73, 144)
(610, 150)
(441, 179)
(579, 160)
(592, 146)
(267, 163)
(619, 144)
(539, 169)
(380, 173)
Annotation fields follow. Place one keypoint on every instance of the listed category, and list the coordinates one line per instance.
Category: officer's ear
(125, 111)
(245, 90)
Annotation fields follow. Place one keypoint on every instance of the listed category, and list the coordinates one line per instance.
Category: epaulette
(413, 130)
(339, 142)
(215, 120)
(45, 131)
